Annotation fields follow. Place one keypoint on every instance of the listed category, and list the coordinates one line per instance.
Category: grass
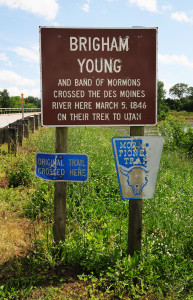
(14, 239)
(182, 115)
(92, 263)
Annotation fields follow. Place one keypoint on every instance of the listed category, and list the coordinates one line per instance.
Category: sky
(19, 35)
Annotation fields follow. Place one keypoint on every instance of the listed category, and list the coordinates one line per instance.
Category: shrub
(162, 116)
(19, 173)
(178, 135)
(41, 201)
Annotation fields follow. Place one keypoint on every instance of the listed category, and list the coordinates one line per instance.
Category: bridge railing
(18, 110)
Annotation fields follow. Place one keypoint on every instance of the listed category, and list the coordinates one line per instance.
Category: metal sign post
(22, 102)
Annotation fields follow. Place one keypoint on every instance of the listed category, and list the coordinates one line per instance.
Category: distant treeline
(15, 101)
(181, 98)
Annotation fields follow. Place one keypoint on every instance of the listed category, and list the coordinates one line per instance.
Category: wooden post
(59, 228)
(2, 136)
(31, 123)
(135, 210)
(20, 128)
(36, 120)
(12, 140)
(26, 128)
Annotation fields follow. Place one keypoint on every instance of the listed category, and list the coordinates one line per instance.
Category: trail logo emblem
(137, 161)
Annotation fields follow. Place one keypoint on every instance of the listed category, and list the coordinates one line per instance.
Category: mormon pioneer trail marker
(137, 161)
(97, 76)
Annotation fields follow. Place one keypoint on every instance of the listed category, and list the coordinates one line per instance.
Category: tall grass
(97, 227)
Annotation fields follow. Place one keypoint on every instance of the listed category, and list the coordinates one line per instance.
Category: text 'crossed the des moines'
(110, 95)
(99, 76)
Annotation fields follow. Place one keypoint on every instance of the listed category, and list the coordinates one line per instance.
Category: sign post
(137, 161)
(135, 211)
(61, 167)
(59, 228)
(22, 102)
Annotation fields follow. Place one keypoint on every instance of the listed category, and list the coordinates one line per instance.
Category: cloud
(166, 8)
(150, 5)
(12, 78)
(5, 59)
(44, 8)
(27, 54)
(181, 17)
(175, 59)
(86, 6)
(15, 91)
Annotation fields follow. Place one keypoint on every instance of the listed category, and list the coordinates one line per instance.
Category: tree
(4, 99)
(31, 101)
(179, 90)
(161, 97)
(161, 93)
(190, 92)
(15, 101)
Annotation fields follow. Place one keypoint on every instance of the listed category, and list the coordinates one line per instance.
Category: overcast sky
(19, 34)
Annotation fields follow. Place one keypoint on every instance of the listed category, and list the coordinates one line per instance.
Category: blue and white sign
(62, 167)
(137, 162)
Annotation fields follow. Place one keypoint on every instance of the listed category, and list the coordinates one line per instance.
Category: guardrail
(4, 111)
(14, 133)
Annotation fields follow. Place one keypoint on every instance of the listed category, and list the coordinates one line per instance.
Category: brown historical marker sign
(94, 76)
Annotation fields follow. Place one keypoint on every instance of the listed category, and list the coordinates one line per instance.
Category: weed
(41, 202)
(19, 173)
(97, 227)
(178, 135)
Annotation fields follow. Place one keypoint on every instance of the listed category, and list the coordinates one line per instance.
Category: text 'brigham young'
(96, 44)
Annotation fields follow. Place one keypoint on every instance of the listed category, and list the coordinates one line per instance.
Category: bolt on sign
(62, 167)
(92, 76)
(137, 162)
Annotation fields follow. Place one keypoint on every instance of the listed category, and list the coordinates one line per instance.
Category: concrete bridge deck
(7, 119)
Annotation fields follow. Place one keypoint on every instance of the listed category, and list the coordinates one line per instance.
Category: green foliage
(41, 202)
(15, 101)
(19, 173)
(162, 116)
(178, 135)
(182, 98)
(4, 99)
(161, 97)
(190, 92)
(45, 142)
(179, 90)
(97, 227)
(32, 102)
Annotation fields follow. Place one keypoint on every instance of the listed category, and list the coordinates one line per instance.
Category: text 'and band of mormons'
(95, 76)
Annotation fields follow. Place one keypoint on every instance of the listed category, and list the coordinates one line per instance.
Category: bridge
(14, 125)
(11, 115)
(4, 111)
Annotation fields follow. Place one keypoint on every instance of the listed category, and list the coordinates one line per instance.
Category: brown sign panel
(94, 76)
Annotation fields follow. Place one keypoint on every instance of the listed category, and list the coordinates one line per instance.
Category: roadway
(7, 119)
